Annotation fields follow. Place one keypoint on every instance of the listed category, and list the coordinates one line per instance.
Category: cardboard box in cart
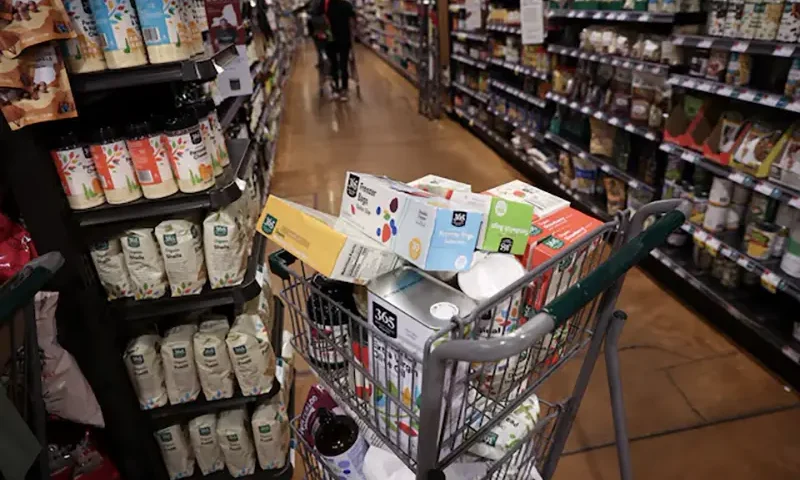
(543, 203)
(506, 221)
(430, 232)
(327, 244)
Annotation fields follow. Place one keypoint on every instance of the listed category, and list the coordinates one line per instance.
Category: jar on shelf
(84, 53)
(118, 27)
(150, 160)
(77, 172)
(219, 136)
(188, 155)
(202, 110)
(160, 20)
(114, 166)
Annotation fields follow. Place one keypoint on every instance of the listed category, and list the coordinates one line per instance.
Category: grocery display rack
(93, 328)
(742, 316)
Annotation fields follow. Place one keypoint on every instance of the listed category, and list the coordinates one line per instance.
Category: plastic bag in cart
(16, 248)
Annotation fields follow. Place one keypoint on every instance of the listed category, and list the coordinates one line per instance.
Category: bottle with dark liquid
(341, 445)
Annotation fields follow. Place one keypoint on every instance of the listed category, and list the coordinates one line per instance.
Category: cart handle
(279, 263)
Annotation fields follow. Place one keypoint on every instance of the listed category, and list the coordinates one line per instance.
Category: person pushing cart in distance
(341, 18)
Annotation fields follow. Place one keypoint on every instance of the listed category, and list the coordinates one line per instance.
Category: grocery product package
(16, 248)
(118, 26)
(506, 434)
(176, 451)
(34, 22)
(84, 53)
(142, 358)
(506, 221)
(234, 439)
(431, 232)
(317, 397)
(251, 354)
(109, 261)
(543, 203)
(271, 434)
(225, 248)
(211, 356)
(144, 262)
(203, 436)
(180, 371)
(161, 25)
(440, 186)
(284, 367)
(182, 250)
(327, 244)
(66, 392)
(261, 304)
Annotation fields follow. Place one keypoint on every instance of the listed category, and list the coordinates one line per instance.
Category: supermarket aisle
(697, 408)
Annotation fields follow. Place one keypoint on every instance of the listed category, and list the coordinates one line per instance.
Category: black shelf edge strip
(481, 97)
(754, 47)
(635, 16)
(461, 35)
(518, 68)
(531, 99)
(744, 94)
(614, 60)
(618, 122)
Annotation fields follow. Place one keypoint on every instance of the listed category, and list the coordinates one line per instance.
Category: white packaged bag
(203, 435)
(180, 372)
(225, 248)
(251, 354)
(110, 265)
(182, 250)
(175, 450)
(142, 358)
(211, 356)
(145, 265)
(234, 439)
(271, 434)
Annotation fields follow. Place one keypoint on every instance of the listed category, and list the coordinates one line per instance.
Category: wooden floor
(697, 407)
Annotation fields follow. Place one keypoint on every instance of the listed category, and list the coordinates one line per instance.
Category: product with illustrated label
(251, 355)
(145, 265)
(180, 371)
(114, 166)
(218, 136)
(109, 261)
(160, 21)
(176, 451)
(187, 11)
(506, 221)
(543, 203)
(118, 28)
(202, 110)
(225, 248)
(34, 22)
(191, 163)
(182, 249)
(504, 436)
(150, 160)
(84, 53)
(271, 434)
(143, 359)
(431, 232)
(77, 173)
(203, 436)
(233, 436)
(211, 356)
(341, 445)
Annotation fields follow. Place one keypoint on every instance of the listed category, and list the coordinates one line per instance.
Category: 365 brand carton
(329, 245)
(440, 186)
(430, 232)
(409, 308)
(543, 203)
(506, 221)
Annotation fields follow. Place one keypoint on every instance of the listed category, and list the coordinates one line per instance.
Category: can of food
(730, 274)
(721, 192)
(716, 218)
(701, 258)
(761, 209)
(790, 263)
(699, 207)
(733, 217)
(759, 240)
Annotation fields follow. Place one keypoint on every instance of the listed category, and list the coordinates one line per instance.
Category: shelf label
(740, 46)
(634, 184)
(680, 272)
(700, 236)
(614, 121)
(597, 16)
(713, 245)
(784, 51)
(791, 353)
(795, 202)
(771, 281)
(743, 262)
(461, 36)
(705, 43)
(737, 177)
(611, 16)
(677, 40)
(767, 189)
(241, 184)
(770, 100)
(644, 18)
(605, 168)
(582, 155)
(565, 146)
(585, 110)
(747, 95)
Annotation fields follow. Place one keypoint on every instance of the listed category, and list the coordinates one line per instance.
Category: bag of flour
(211, 356)
(261, 304)
(143, 361)
(271, 434)
(145, 265)
(180, 372)
(251, 354)
(284, 368)
(225, 248)
(110, 265)
(203, 435)
(182, 250)
(176, 451)
(234, 439)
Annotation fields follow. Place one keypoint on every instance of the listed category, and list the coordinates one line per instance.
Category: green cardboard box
(506, 222)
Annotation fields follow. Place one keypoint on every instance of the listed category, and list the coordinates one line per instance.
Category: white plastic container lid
(490, 275)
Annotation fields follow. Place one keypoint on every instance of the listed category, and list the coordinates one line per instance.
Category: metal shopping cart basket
(470, 378)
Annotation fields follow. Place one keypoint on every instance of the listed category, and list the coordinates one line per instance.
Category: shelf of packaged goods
(618, 122)
(753, 47)
(477, 36)
(499, 27)
(778, 192)
(227, 189)
(601, 163)
(682, 18)
(772, 278)
(411, 29)
(130, 309)
(517, 68)
(408, 13)
(532, 99)
(585, 200)
(743, 315)
(198, 69)
(737, 93)
(613, 60)
(479, 96)
(517, 124)
(399, 68)
(469, 61)
(408, 42)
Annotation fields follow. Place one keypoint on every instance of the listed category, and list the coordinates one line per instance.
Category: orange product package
(33, 22)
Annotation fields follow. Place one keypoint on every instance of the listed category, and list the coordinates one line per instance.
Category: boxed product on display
(430, 232)
(506, 221)
(543, 203)
(440, 186)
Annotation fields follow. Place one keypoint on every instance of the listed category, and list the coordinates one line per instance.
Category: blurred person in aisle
(318, 28)
(341, 18)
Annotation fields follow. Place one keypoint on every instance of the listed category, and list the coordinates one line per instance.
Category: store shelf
(517, 68)
(498, 27)
(479, 96)
(628, 16)
(228, 188)
(533, 100)
(737, 93)
(753, 47)
(285, 473)
(772, 278)
(399, 68)
(622, 123)
(197, 69)
(128, 309)
(779, 192)
(601, 163)
(614, 60)
(462, 35)
(469, 61)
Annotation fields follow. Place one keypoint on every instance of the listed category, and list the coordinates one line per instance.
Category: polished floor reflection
(697, 407)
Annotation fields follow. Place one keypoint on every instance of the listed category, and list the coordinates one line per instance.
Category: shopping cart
(472, 378)
(326, 80)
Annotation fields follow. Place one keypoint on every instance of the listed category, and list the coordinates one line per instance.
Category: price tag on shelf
(582, 155)
(580, 15)
(745, 263)
(713, 245)
(593, 57)
(639, 67)
(643, 18)
(706, 43)
(611, 16)
(737, 177)
(725, 91)
(634, 184)
(728, 253)
(629, 128)
(650, 136)
(677, 40)
(704, 87)
(747, 95)
(471, 122)
(771, 281)
(461, 36)
(740, 46)
(260, 276)
(680, 272)
(614, 121)
(597, 16)
(565, 146)
(770, 100)
(795, 202)
(783, 51)
(791, 353)
(574, 105)
(571, 14)
(605, 168)
(765, 189)
(700, 236)
(242, 184)
(689, 83)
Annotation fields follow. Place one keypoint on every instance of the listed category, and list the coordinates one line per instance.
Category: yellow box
(326, 243)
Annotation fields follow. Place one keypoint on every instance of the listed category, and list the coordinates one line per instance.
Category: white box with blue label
(430, 232)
